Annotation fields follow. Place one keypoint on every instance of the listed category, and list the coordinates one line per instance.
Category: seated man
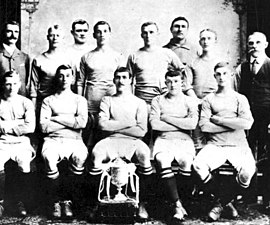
(174, 115)
(62, 117)
(225, 115)
(124, 116)
(17, 119)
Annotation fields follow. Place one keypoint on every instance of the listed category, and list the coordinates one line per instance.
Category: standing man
(174, 115)
(225, 116)
(179, 43)
(11, 58)
(202, 80)
(80, 32)
(149, 64)
(16, 121)
(253, 80)
(62, 117)
(45, 65)
(124, 117)
(96, 77)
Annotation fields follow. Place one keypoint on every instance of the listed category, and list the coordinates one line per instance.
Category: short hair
(79, 21)
(56, 83)
(63, 67)
(11, 73)
(221, 65)
(178, 19)
(148, 24)
(174, 73)
(258, 33)
(101, 23)
(11, 22)
(209, 30)
(122, 70)
(54, 27)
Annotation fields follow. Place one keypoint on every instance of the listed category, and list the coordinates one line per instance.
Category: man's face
(207, 40)
(102, 34)
(223, 76)
(179, 29)
(122, 81)
(80, 33)
(65, 78)
(12, 86)
(55, 38)
(257, 44)
(149, 35)
(11, 34)
(174, 85)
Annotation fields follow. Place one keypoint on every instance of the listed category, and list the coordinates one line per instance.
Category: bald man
(253, 80)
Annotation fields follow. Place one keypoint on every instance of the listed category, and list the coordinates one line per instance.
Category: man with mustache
(179, 43)
(11, 58)
(253, 80)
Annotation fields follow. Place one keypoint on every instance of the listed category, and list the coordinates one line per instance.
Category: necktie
(254, 66)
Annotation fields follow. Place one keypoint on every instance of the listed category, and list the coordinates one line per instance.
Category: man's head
(257, 43)
(122, 79)
(63, 77)
(10, 83)
(55, 36)
(11, 33)
(79, 31)
(179, 28)
(223, 74)
(149, 33)
(102, 32)
(208, 39)
(174, 81)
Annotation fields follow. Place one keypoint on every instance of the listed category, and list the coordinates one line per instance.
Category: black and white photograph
(147, 112)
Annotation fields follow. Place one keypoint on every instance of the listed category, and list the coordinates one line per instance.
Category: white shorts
(183, 151)
(215, 156)
(113, 147)
(22, 153)
(63, 148)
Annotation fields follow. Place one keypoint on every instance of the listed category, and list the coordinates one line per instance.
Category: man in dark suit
(11, 58)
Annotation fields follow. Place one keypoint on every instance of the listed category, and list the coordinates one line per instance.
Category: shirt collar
(259, 59)
(9, 49)
(185, 45)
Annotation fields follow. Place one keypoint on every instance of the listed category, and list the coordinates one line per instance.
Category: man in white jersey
(62, 117)
(80, 32)
(17, 119)
(149, 64)
(174, 115)
(45, 65)
(124, 117)
(96, 78)
(224, 117)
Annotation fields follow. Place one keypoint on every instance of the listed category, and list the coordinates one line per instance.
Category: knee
(244, 177)
(79, 157)
(162, 160)
(200, 169)
(24, 161)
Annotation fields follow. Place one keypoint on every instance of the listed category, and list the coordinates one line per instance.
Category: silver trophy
(119, 173)
(119, 177)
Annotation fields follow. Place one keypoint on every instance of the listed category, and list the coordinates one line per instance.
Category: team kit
(163, 104)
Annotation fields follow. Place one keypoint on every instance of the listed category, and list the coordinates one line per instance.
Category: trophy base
(120, 197)
(117, 212)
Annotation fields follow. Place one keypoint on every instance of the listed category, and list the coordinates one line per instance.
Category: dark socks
(2, 184)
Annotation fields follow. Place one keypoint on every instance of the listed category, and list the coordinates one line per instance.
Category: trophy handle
(101, 185)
